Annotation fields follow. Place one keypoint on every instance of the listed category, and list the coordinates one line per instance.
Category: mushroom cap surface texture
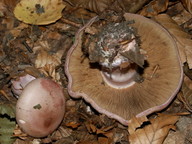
(162, 77)
(40, 108)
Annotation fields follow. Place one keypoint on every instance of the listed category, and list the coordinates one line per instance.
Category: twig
(5, 95)
(71, 23)
(27, 46)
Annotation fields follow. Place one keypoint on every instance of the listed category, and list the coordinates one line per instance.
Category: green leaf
(8, 109)
(6, 130)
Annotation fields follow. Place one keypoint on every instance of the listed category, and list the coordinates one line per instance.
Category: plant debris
(151, 131)
(35, 38)
(39, 12)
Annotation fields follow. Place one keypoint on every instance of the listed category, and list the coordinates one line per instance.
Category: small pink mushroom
(40, 108)
(18, 85)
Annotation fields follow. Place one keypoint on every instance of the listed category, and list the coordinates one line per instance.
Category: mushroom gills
(154, 93)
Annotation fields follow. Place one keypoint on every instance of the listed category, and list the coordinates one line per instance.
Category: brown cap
(162, 76)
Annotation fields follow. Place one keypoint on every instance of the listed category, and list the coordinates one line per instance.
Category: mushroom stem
(120, 78)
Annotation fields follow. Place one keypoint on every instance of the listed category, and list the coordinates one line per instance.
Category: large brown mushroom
(162, 74)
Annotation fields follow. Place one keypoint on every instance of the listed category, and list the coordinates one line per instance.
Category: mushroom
(18, 85)
(116, 93)
(41, 107)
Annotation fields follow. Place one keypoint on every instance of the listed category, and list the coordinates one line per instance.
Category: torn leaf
(151, 131)
(154, 8)
(187, 5)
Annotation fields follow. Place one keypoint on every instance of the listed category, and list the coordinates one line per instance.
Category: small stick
(27, 46)
(5, 95)
(154, 71)
(71, 23)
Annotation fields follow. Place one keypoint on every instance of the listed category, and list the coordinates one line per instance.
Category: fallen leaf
(185, 96)
(73, 124)
(17, 31)
(91, 128)
(9, 22)
(99, 6)
(104, 134)
(87, 142)
(154, 7)
(3, 9)
(187, 5)
(47, 63)
(54, 35)
(183, 135)
(183, 39)
(103, 140)
(151, 131)
(39, 12)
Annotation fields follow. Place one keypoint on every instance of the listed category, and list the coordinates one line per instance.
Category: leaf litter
(43, 54)
(152, 131)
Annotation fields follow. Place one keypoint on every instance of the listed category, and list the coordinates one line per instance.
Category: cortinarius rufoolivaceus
(112, 82)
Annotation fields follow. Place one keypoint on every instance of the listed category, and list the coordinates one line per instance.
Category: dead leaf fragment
(47, 63)
(152, 131)
(39, 12)
(185, 96)
(155, 7)
(17, 31)
(99, 6)
(73, 124)
(183, 39)
(54, 35)
(188, 5)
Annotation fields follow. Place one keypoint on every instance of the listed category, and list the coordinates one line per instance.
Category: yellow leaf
(39, 12)
(154, 131)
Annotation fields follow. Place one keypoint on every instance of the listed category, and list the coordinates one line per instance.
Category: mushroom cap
(18, 85)
(41, 107)
(162, 76)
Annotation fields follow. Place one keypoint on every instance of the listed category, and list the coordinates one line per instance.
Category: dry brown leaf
(183, 40)
(186, 94)
(91, 128)
(92, 5)
(103, 140)
(155, 7)
(3, 9)
(105, 134)
(6, 7)
(6, 13)
(87, 142)
(154, 132)
(98, 6)
(73, 124)
(183, 135)
(187, 4)
(16, 31)
(104, 131)
(47, 63)
(54, 35)
(9, 22)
